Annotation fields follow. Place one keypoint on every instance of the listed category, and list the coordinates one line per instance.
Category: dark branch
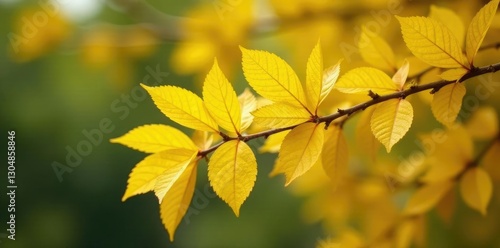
(349, 111)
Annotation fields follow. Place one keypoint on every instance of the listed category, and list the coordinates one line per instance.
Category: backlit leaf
(483, 124)
(300, 150)
(175, 203)
(375, 51)
(221, 100)
(280, 115)
(272, 77)
(401, 75)
(330, 76)
(273, 142)
(183, 107)
(232, 171)
(476, 189)
(453, 74)
(335, 156)
(314, 77)
(447, 102)
(451, 20)
(362, 80)
(391, 120)
(145, 174)
(155, 138)
(478, 28)
(248, 104)
(432, 42)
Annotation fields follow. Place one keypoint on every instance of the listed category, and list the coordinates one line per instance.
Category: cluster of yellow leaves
(36, 32)
(303, 138)
(452, 161)
(438, 41)
(116, 49)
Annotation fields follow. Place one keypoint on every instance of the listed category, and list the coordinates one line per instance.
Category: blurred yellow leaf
(483, 123)
(279, 115)
(446, 207)
(183, 107)
(145, 175)
(335, 156)
(490, 161)
(221, 100)
(202, 139)
(363, 79)
(300, 151)
(476, 189)
(432, 42)
(232, 171)
(447, 102)
(391, 120)
(426, 197)
(375, 51)
(404, 234)
(451, 20)
(272, 77)
(478, 28)
(450, 154)
(175, 203)
(155, 138)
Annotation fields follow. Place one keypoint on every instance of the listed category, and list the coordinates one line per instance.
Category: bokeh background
(66, 66)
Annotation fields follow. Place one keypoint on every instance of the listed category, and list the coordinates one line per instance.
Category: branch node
(373, 95)
(341, 111)
(224, 136)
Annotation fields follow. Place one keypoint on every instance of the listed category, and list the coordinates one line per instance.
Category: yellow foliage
(391, 120)
(476, 188)
(232, 172)
(447, 102)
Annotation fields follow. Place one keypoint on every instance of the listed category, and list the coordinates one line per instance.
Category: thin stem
(435, 86)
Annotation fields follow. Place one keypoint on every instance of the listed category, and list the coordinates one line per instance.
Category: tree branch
(349, 111)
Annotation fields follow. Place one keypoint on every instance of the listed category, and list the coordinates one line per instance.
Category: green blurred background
(84, 68)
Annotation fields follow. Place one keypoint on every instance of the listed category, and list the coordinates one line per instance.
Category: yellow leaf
(490, 161)
(375, 51)
(401, 75)
(427, 197)
(391, 120)
(145, 174)
(165, 181)
(448, 154)
(272, 77)
(232, 171)
(280, 115)
(314, 77)
(155, 138)
(478, 28)
(273, 142)
(447, 206)
(335, 155)
(364, 136)
(453, 74)
(248, 104)
(221, 100)
(330, 76)
(183, 107)
(203, 140)
(476, 189)
(447, 102)
(432, 42)
(451, 20)
(300, 150)
(363, 79)
(483, 124)
(175, 203)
